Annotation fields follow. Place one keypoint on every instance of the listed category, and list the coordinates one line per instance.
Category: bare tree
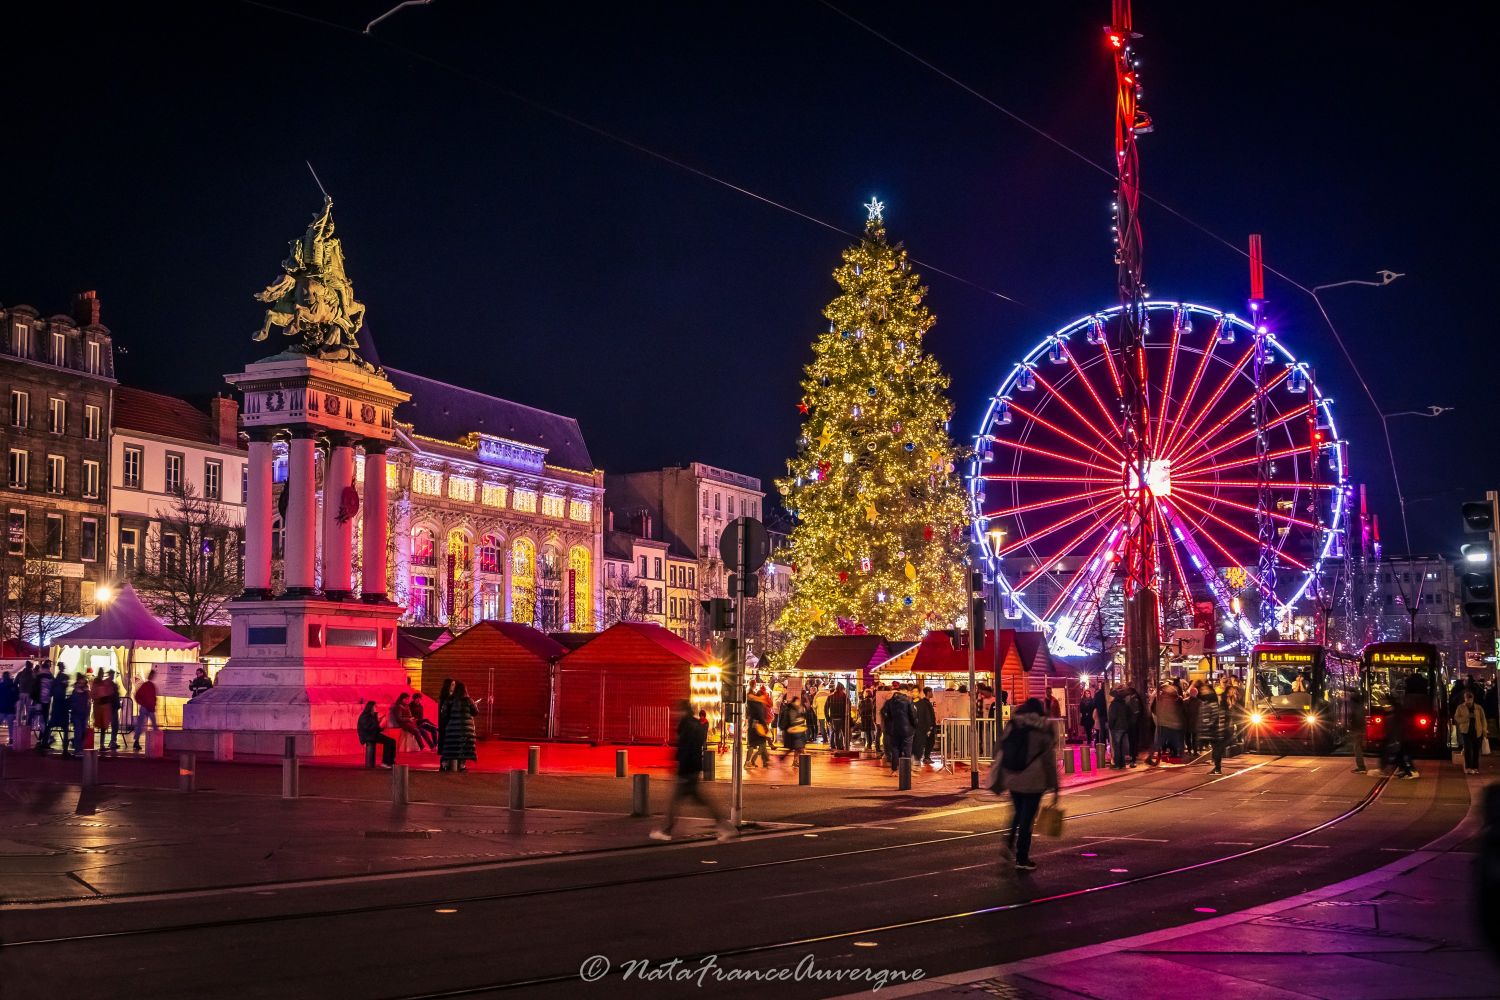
(34, 604)
(624, 599)
(191, 567)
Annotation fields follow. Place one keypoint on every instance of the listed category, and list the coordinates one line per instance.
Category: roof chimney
(86, 308)
(224, 413)
(609, 519)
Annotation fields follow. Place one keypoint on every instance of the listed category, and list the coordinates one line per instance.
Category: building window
(57, 469)
(419, 599)
(580, 510)
(524, 501)
(656, 564)
(422, 547)
(580, 565)
(692, 577)
(54, 536)
(705, 501)
(88, 540)
(57, 409)
(461, 489)
(130, 467)
(427, 482)
(91, 422)
(492, 495)
(15, 532)
(731, 506)
(643, 567)
(174, 472)
(552, 506)
(21, 340)
(244, 482)
(59, 349)
(95, 357)
(523, 581)
(717, 498)
(657, 594)
(91, 480)
(489, 557)
(19, 466)
(169, 551)
(20, 408)
(213, 479)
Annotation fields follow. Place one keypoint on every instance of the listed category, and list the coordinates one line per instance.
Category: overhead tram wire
(622, 140)
(1188, 220)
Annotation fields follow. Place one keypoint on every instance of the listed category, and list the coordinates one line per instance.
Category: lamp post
(995, 539)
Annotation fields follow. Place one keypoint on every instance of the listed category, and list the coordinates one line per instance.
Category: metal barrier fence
(955, 741)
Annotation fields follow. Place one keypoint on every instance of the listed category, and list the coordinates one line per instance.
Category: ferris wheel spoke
(1109, 420)
(1040, 504)
(1034, 450)
(1043, 421)
(1165, 533)
(1114, 370)
(1096, 553)
(1104, 438)
(1015, 477)
(1284, 518)
(1166, 384)
(1187, 448)
(1192, 426)
(1193, 468)
(1244, 436)
(1251, 484)
(1073, 543)
(1236, 529)
(1187, 399)
(1058, 525)
(1205, 566)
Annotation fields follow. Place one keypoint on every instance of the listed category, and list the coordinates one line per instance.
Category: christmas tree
(879, 510)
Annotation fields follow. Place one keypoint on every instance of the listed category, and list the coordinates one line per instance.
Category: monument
(304, 661)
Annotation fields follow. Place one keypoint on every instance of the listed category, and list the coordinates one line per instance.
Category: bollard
(533, 760)
(804, 769)
(400, 784)
(1086, 758)
(289, 773)
(90, 768)
(517, 790)
(621, 763)
(1068, 763)
(187, 771)
(640, 794)
(710, 766)
(903, 780)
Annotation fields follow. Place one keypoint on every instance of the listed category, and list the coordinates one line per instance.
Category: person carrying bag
(1026, 766)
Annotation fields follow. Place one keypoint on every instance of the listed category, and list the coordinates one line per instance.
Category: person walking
(1166, 712)
(145, 706)
(837, 711)
(1191, 707)
(459, 736)
(1028, 763)
(1394, 758)
(426, 731)
(756, 731)
(1214, 725)
(925, 731)
(1119, 721)
(57, 717)
(820, 712)
(370, 734)
(899, 721)
(1359, 711)
(41, 696)
(1086, 717)
(692, 736)
(78, 712)
(1135, 708)
(103, 693)
(1472, 727)
(793, 727)
(116, 701)
(867, 718)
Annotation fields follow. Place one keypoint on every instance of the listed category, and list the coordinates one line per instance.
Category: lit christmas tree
(880, 513)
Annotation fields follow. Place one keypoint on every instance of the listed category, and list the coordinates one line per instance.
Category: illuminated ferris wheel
(1245, 474)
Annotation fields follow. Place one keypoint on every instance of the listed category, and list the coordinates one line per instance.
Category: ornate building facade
(497, 512)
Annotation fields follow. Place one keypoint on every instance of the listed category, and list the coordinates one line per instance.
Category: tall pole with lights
(995, 539)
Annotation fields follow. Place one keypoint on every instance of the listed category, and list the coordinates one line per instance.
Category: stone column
(301, 528)
(338, 527)
(376, 526)
(259, 511)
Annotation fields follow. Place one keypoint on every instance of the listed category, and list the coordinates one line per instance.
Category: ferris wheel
(1242, 516)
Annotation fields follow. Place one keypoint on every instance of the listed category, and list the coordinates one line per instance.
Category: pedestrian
(691, 738)
(1472, 728)
(1166, 712)
(1028, 763)
(1118, 719)
(756, 719)
(57, 717)
(401, 719)
(793, 726)
(444, 702)
(820, 712)
(116, 701)
(925, 732)
(1394, 758)
(78, 711)
(426, 731)
(145, 706)
(867, 718)
(41, 695)
(899, 721)
(1214, 725)
(1054, 708)
(199, 684)
(458, 738)
(1359, 703)
(103, 693)
(1191, 706)
(25, 678)
(809, 716)
(1086, 716)
(837, 711)
(1133, 706)
(371, 735)
(10, 695)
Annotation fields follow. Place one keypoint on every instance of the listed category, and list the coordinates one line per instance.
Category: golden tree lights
(878, 508)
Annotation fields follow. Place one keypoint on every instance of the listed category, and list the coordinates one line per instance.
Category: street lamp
(994, 542)
(103, 594)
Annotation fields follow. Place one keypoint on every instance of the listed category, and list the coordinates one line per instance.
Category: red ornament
(823, 467)
(802, 408)
(927, 532)
(843, 577)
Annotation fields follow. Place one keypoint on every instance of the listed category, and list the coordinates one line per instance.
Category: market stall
(623, 685)
(508, 669)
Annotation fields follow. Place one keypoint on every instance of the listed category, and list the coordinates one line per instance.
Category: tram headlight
(1256, 718)
(1310, 719)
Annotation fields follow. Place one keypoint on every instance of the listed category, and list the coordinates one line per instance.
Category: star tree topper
(876, 210)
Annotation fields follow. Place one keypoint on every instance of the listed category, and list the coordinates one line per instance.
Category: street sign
(757, 544)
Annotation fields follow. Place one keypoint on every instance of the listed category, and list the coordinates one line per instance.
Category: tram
(1405, 683)
(1298, 697)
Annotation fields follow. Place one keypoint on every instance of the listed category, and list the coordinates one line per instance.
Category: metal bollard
(187, 771)
(1086, 758)
(400, 784)
(710, 766)
(903, 778)
(533, 760)
(90, 768)
(290, 774)
(621, 763)
(804, 769)
(640, 794)
(518, 791)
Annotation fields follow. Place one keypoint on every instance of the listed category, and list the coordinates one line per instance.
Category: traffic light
(720, 614)
(1476, 573)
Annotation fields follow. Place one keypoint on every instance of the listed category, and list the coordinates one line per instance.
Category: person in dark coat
(10, 694)
(899, 720)
(57, 717)
(793, 727)
(79, 703)
(427, 731)
(1214, 725)
(1034, 774)
(867, 718)
(370, 734)
(757, 729)
(1086, 716)
(458, 738)
(1120, 724)
(1166, 712)
(836, 710)
(1359, 717)
(925, 733)
(692, 736)
(444, 701)
(1190, 711)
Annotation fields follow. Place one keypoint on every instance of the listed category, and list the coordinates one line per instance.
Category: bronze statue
(313, 299)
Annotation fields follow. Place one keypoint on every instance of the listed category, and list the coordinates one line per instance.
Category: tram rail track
(603, 884)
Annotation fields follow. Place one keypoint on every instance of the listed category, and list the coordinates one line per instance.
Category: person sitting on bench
(371, 736)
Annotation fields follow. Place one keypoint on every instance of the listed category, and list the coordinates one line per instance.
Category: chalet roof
(842, 653)
(537, 643)
(667, 640)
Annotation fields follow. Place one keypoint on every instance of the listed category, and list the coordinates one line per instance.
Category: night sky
(155, 153)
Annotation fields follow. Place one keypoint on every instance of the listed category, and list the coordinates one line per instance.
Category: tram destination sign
(1286, 656)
